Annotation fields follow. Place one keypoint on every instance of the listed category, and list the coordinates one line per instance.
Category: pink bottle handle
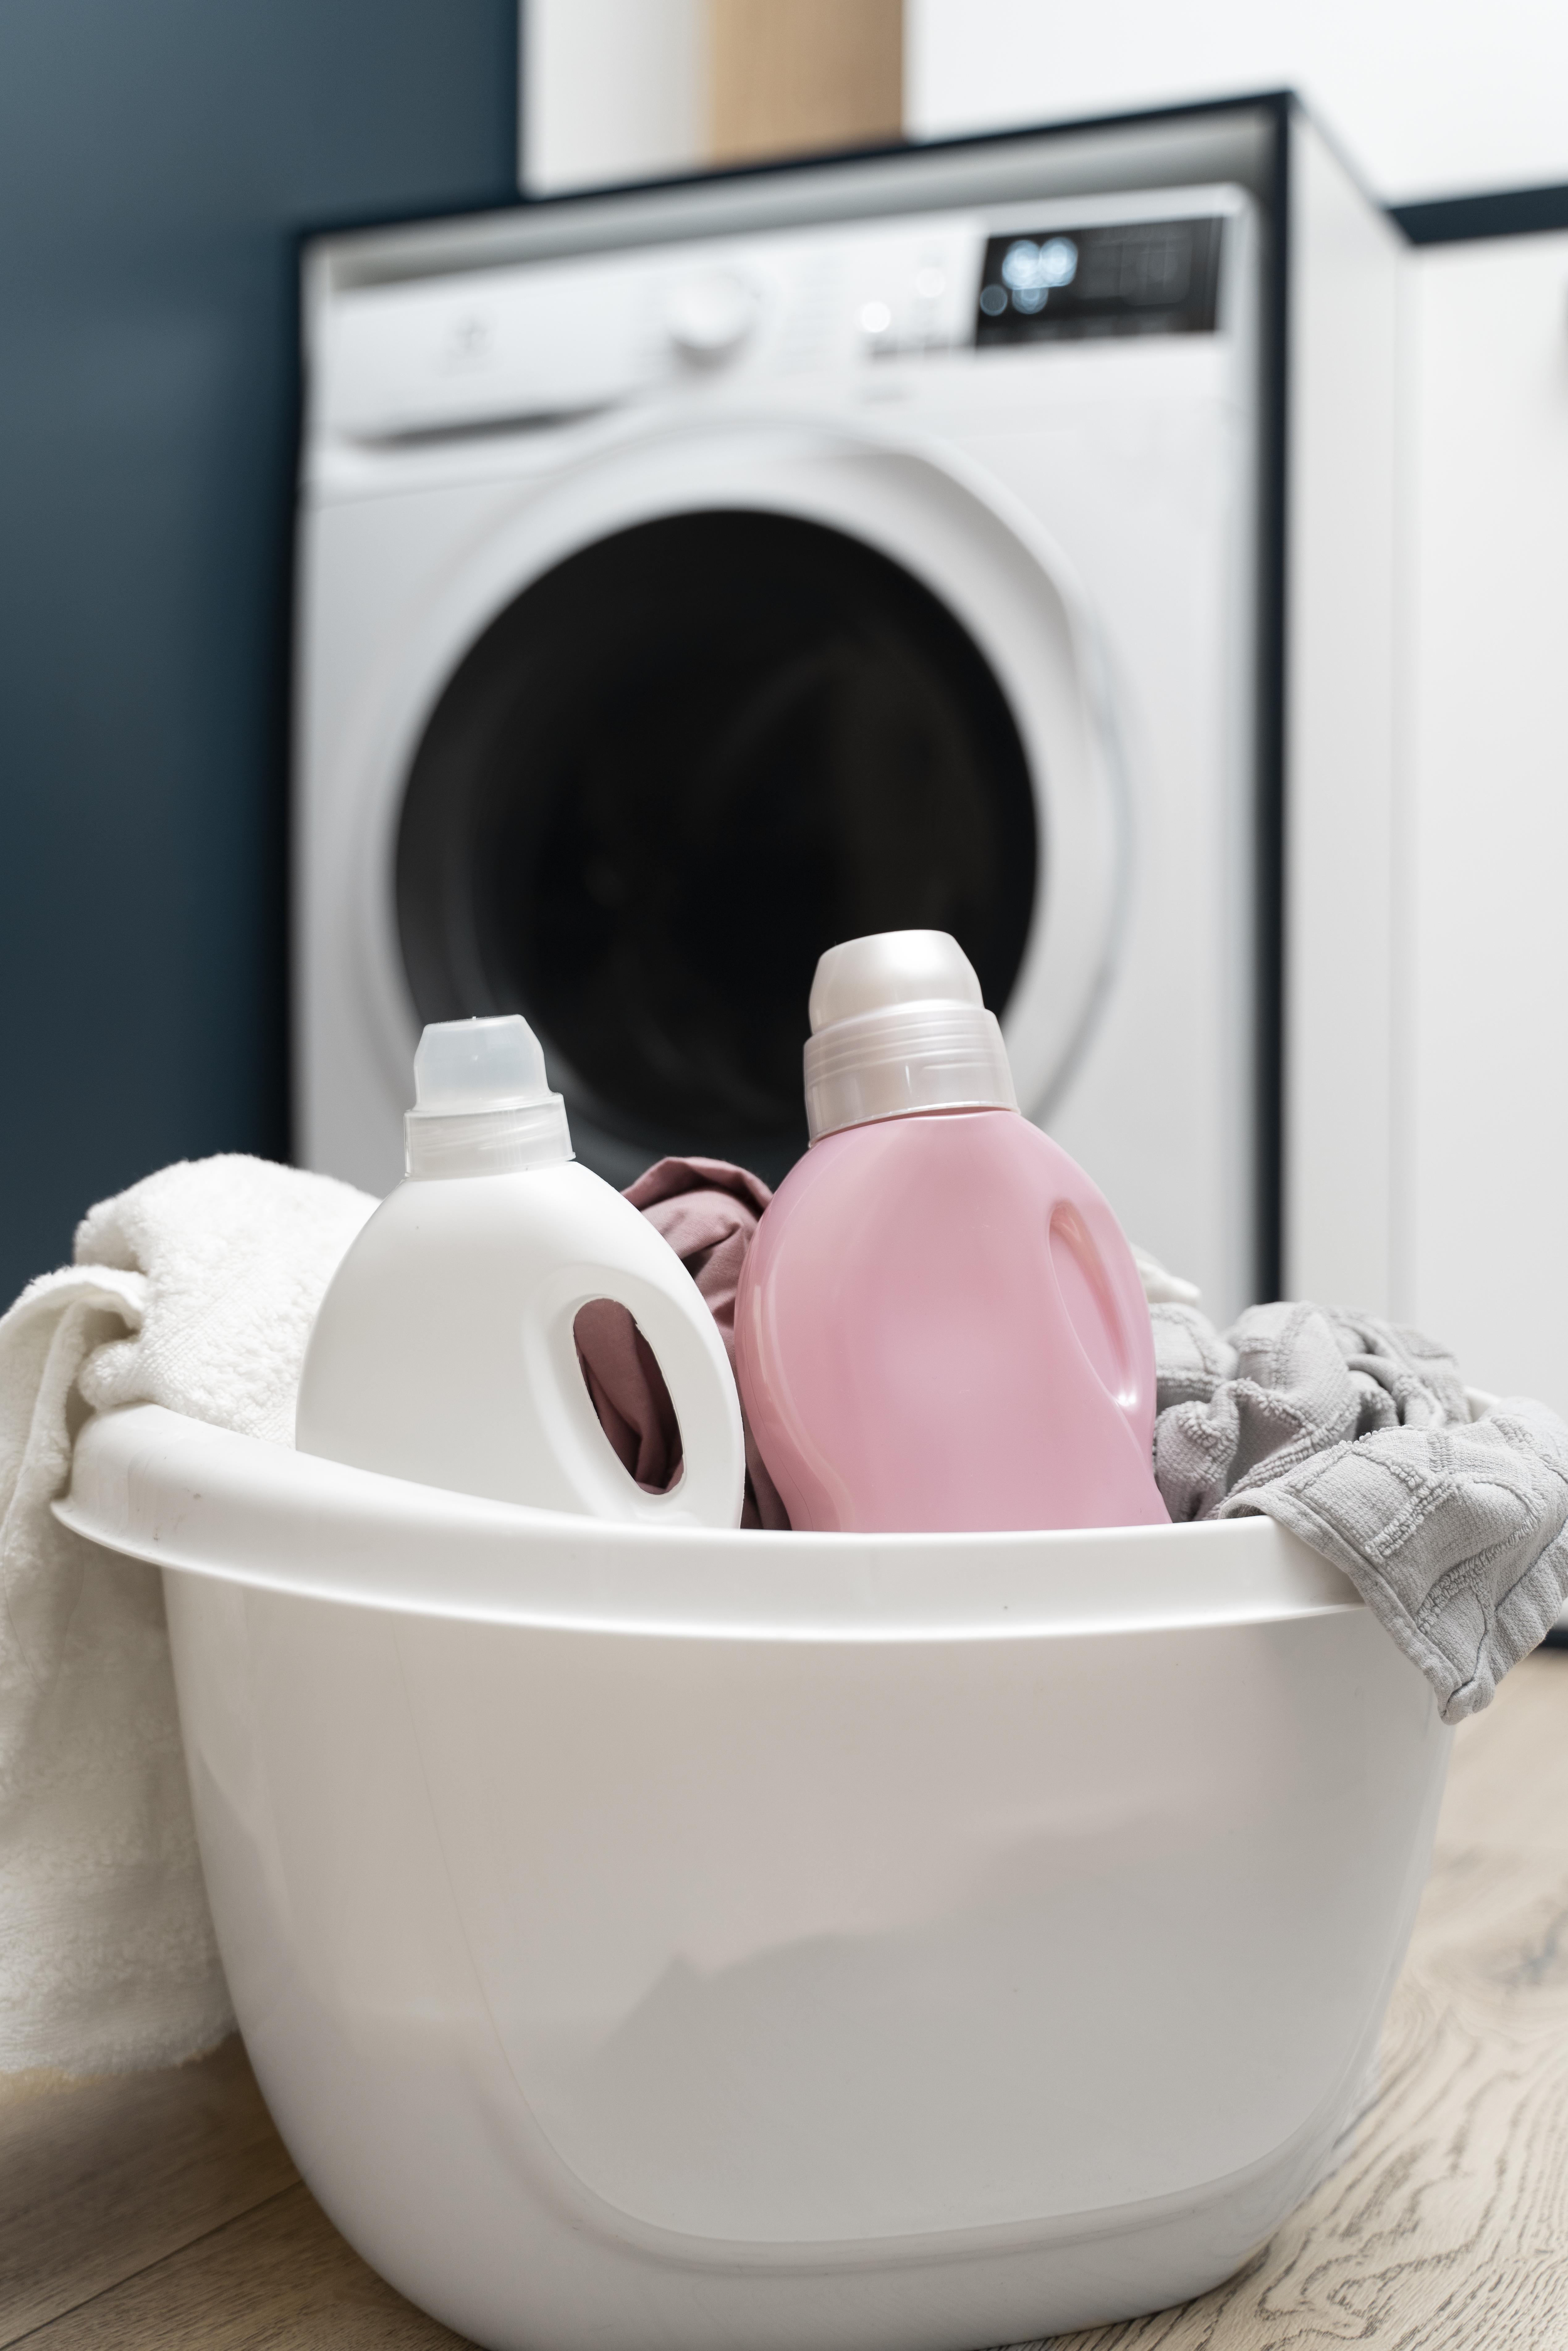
(1103, 1298)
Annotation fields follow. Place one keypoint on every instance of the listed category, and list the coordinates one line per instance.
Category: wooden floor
(160, 2209)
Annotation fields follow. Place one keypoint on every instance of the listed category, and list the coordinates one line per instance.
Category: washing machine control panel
(1067, 284)
(534, 344)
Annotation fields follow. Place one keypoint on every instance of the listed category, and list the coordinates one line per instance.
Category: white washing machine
(694, 578)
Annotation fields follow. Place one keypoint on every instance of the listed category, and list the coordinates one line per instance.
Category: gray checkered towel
(1360, 1438)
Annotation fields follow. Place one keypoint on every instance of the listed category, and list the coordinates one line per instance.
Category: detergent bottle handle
(1104, 1295)
(668, 1309)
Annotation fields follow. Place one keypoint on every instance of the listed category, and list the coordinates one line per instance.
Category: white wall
(612, 90)
(1427, 97)
(1486, 603)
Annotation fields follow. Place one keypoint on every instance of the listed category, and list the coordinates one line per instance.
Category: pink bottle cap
(899, 1026)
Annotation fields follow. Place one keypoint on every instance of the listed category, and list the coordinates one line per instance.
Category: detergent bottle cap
(899, 1026)
(482, 1104)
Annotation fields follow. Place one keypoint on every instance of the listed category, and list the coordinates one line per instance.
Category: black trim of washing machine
(1269, 814)
(1009, 135)
(1463, 220)
(1277, 103)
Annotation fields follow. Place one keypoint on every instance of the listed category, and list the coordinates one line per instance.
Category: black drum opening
(669, 774)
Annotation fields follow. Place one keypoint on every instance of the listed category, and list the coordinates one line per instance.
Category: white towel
(196, 1289)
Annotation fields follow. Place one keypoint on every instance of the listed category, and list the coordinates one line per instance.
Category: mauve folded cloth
(707, 1211)
(1359, 1438)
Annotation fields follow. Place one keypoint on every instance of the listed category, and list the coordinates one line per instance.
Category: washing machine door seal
(950, 575)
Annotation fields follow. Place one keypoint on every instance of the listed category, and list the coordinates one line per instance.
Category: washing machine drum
(675, 770)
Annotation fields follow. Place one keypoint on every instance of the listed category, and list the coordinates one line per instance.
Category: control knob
(710, 318)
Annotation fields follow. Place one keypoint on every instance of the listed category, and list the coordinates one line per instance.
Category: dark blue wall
(158, 159)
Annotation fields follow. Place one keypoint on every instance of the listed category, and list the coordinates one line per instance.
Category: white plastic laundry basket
(679, 1939)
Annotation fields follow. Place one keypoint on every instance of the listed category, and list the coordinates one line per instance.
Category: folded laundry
(196, 1289)
(1449, 1515)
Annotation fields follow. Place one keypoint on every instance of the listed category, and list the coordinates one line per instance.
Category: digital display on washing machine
(1126, 277)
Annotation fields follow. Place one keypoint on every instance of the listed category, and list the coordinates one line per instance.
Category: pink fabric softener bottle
(939, 1325)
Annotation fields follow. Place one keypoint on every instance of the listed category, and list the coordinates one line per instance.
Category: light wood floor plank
(280, 2279)
(100, 2178)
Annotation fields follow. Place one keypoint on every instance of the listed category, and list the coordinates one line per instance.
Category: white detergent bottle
(444, 1350)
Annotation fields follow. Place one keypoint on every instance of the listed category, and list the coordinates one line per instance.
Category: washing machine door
(707, 705)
